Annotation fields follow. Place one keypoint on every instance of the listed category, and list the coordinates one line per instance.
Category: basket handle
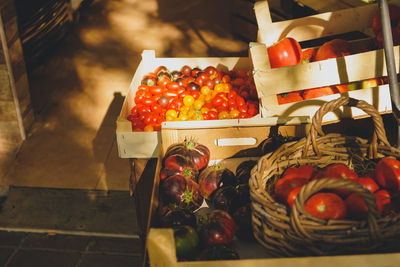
(316, 124)
(298, 210)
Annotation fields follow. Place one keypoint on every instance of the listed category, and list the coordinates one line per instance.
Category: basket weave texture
(294, 232)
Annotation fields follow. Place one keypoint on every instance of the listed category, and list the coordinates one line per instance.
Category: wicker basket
(294, 232)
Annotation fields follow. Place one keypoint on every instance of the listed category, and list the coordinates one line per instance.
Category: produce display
(288, 52)
(206, 204)
(192, 94)
(383, 182)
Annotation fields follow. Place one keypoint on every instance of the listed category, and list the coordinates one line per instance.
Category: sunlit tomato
(155, 90)
(186, 70)
(198, 104)
(234, 113)
(242, 109)
(157, 108)
(148, 128)
(183, 94)
(182, 82)
(240, 101)
(195, 94)
(209, 83)
(163, 81)
(171, 94)
(163, 101)
(326, 206)
(217, 101)
(205, 90)
(188, 100)
(194, 71)
(286, 52)
(173, 86)
(333, 49)
(144, 109)
(160, 68)
(171, 113)
(232, 95)
(219, 87)
(148, 101)
(193, 86)
(226, 78)
(213, 115)
(243, 115)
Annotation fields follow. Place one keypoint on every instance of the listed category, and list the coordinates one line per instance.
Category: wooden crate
(147, 144)
(160, 244)
(229, 145)
(356, 67)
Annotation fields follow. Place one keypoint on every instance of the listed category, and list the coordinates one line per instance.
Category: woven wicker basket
(294, 232)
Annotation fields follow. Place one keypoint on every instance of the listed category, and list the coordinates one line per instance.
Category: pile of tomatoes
(383, 182)
(192, 94)
(207, 205)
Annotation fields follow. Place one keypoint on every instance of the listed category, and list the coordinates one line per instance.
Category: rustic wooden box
(229, 145)
(356, 67)
(147, 144)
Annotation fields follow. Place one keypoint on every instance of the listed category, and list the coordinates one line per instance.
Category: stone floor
(65, 200)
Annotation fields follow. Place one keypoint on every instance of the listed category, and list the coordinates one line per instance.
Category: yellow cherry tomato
(188, 100)
(183, 117)
(170, 118)
(205, 90)
(184, 109)
(198, 116)
(204, 110)
(234, 113)
(223, 115)
(198, 104)
(171, 113)
(219, 87)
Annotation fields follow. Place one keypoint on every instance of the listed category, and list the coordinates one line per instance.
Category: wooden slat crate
(356, 67)
(229, 145)
(147, 144)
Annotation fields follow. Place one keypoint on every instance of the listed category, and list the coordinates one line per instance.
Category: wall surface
(16, 113)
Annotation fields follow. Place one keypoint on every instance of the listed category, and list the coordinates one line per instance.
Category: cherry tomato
(171, 113)
(173, 86)
(195, 94)
(188, 100)
(156, 108)
(163, 101)
(205, 90)
(223, 115)
(186, 70)
(213, 115)
(155, 90)
(217, 101)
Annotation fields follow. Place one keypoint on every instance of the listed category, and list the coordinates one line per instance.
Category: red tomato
(213, 115)
(326, 206)
(286, 52)
(394, 14)
(368, 183)
(289, 97)
(387, 173)
(156, 90)
(195, 94)
(340, 171)
(186, 70)
(318, 92)
(217, 101)
(283, 190)
(308, 55)
(302, 171)
(356, 207)
(333, 49)
(292, 196)
(156, 108)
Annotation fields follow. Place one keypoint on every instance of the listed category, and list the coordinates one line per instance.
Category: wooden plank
(17, 60)
(312, 27)
(5, 91)
(11, 31)
(22, 86)
(8, 11)
(7, 111)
